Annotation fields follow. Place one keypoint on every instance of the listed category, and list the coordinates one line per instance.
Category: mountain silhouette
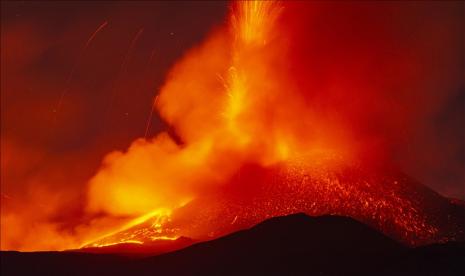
(290, 245)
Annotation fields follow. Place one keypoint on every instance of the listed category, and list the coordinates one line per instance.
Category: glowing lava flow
(143, 229)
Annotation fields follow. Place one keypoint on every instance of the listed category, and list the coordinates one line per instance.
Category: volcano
(251, 138)
(282, 138)
(377, 195)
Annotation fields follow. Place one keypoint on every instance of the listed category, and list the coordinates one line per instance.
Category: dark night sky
(109, 95)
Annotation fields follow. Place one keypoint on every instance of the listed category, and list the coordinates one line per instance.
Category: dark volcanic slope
(292, 245)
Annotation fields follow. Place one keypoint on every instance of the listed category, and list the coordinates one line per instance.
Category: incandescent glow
(152, 231)
(253, 21)
(264, 123)
(115, 243)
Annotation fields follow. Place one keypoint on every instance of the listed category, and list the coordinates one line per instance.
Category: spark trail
(149, 119)
(121, 70)
(73, 70)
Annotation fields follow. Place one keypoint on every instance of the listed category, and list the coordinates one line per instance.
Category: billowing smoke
(271, 86)
(230, 101)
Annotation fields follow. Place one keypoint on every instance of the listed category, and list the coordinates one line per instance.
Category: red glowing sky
(410, 53)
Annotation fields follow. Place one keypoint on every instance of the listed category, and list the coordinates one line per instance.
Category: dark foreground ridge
(291, 245)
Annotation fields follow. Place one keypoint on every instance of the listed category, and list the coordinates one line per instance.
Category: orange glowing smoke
(231, 102)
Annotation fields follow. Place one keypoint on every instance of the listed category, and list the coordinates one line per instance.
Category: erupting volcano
(244, 147)
(388, 200)
(268, 117)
